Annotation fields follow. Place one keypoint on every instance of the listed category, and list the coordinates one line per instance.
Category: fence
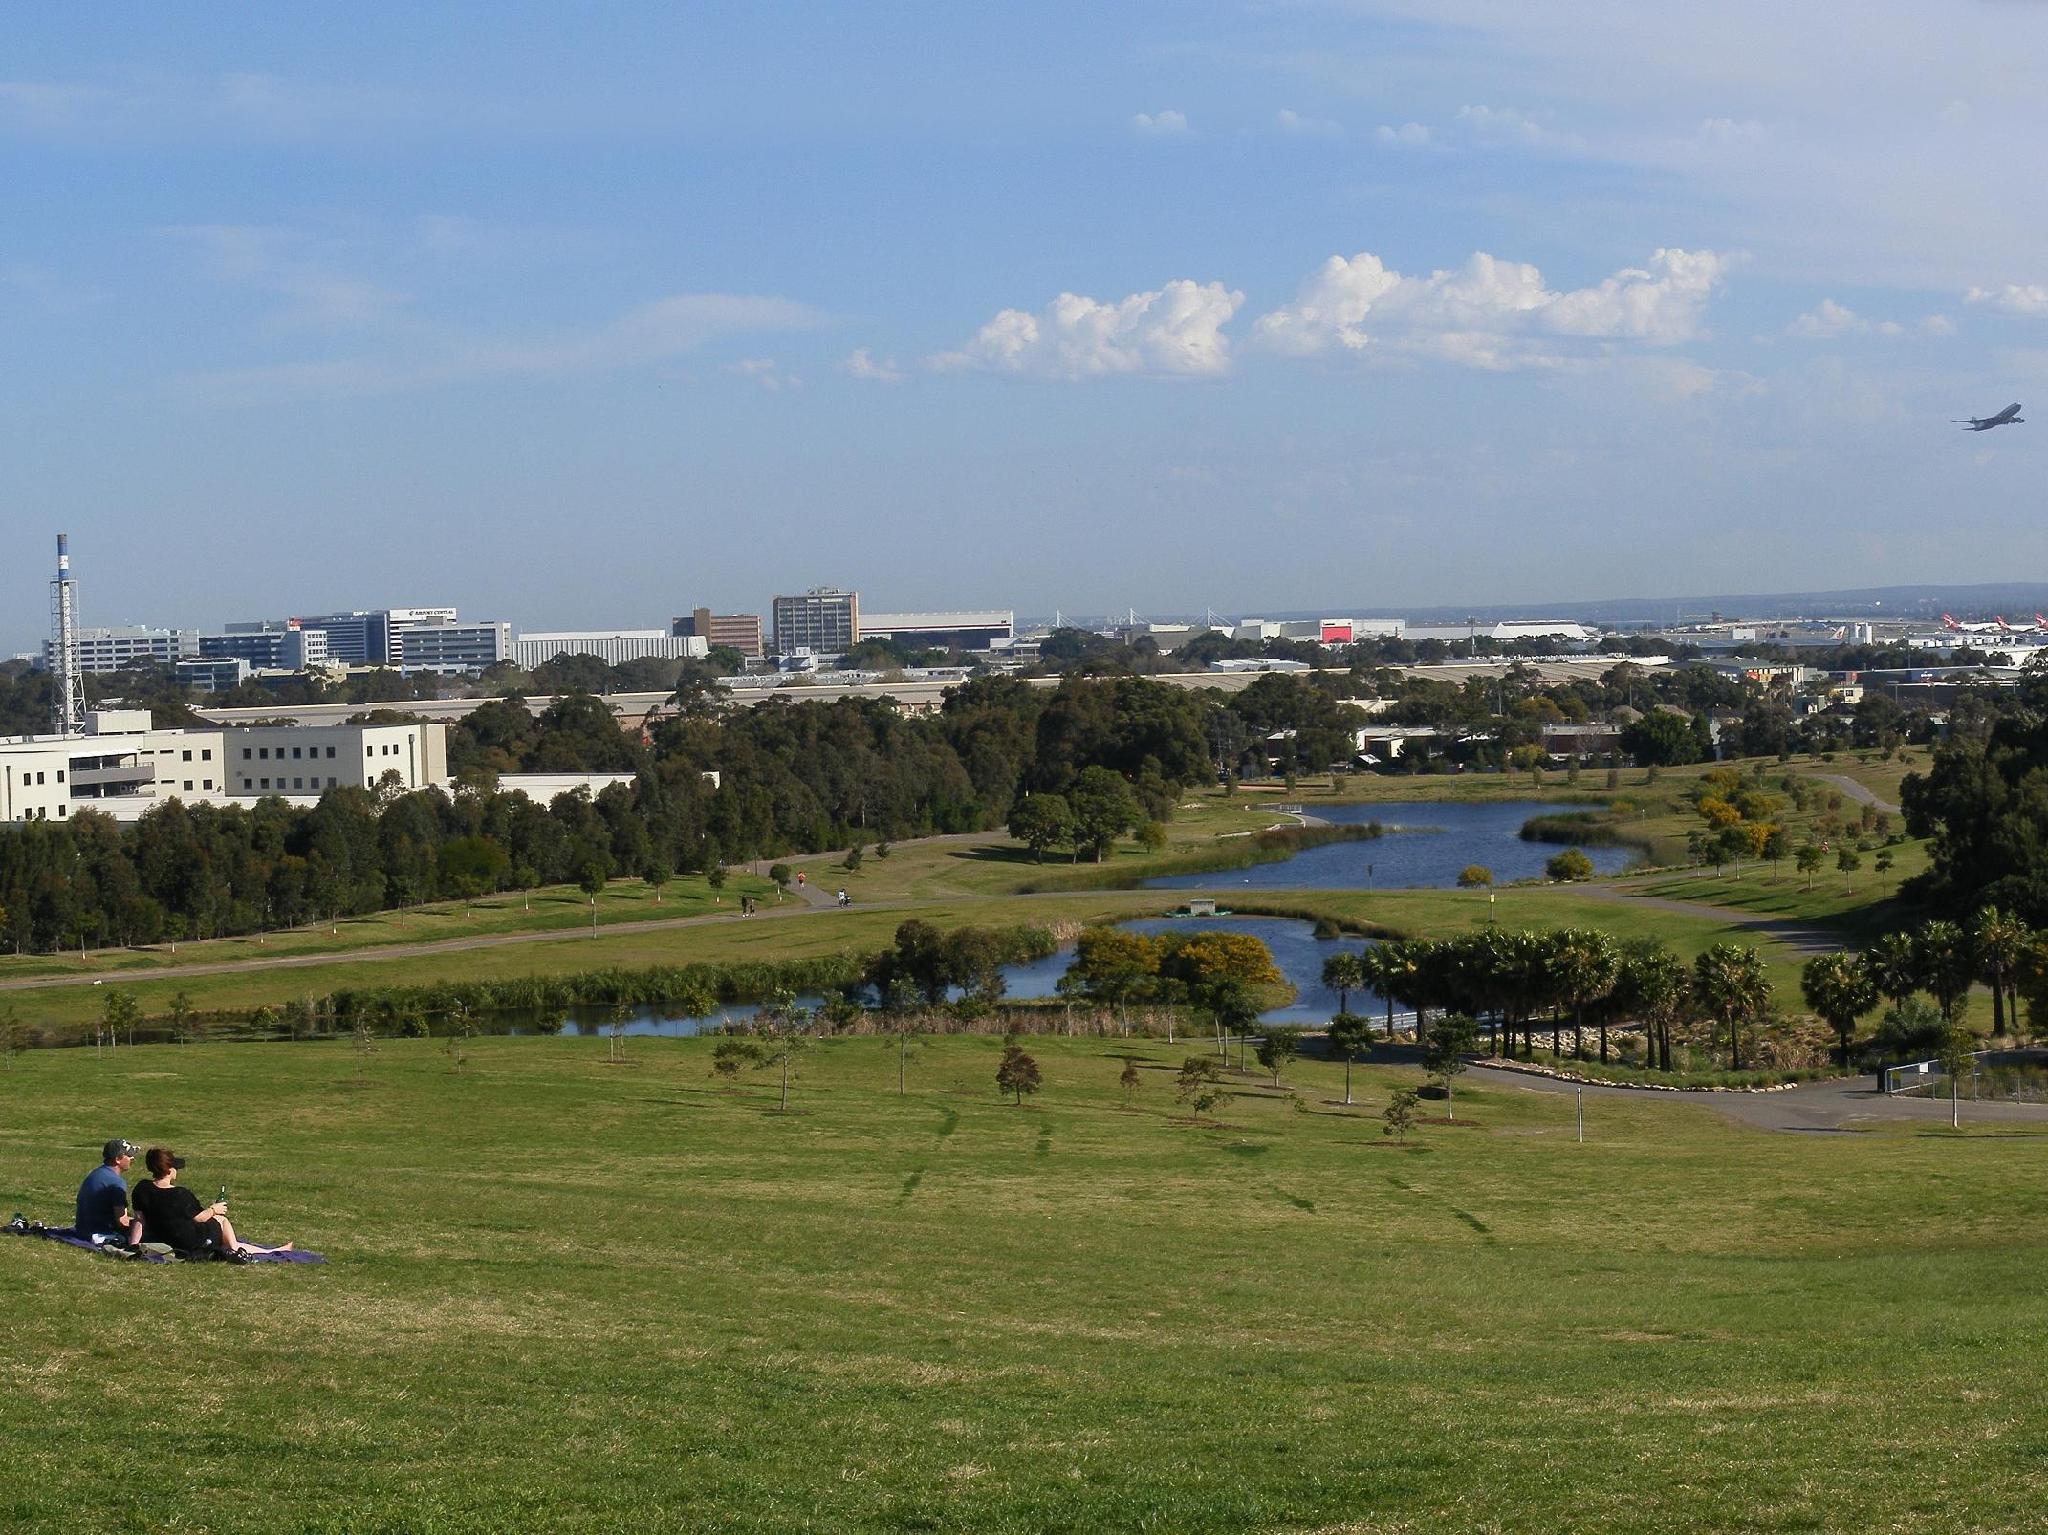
(1932, 1078)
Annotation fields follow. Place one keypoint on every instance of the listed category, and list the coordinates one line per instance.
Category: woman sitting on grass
(174, 1216)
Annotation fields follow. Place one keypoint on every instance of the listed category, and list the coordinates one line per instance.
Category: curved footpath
(1838, 1104)
(1856, 791)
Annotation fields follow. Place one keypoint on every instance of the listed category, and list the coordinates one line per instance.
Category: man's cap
(119, 1148)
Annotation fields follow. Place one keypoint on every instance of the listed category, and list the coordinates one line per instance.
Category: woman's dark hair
(158, 1160)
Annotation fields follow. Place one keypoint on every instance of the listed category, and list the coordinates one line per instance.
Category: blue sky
(584, 315)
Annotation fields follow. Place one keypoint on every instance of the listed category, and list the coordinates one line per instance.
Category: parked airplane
(2010, 416)
(1996, 626)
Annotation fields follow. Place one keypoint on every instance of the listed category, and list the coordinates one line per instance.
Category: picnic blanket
(148, 1252)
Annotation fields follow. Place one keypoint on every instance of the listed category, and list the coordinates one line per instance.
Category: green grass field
(568, 1295)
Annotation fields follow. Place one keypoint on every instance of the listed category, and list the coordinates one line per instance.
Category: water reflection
(1427, 846)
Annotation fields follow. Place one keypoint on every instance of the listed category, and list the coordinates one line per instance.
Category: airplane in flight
(2010, 416)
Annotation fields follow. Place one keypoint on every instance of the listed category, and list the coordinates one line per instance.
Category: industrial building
(609, 645)
(944, 631)
(735, 631)
(823, 620)
(122, 766)
(1513, 629)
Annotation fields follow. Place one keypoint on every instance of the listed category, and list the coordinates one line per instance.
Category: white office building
(122, 766)
(610, 646)
(120, 649)
(452, 646)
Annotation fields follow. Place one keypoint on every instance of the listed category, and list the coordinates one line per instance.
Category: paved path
(1856, 791)
(1841, 1103)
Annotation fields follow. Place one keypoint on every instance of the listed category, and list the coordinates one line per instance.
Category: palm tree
(1946, 963)
(1343, 974)
(1583, 962)
(1376, 971)
(1893, 966)
(1730, 982)
(1999, 940)
(1653, 984)
(1530, 982)
(1840, 990)
(1404, 978)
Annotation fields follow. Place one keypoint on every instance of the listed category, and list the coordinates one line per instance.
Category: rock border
(1530, 1069)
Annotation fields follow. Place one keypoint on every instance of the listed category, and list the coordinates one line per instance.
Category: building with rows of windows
(123, 766)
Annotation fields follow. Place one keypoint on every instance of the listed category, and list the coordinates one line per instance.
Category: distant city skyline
(1369, 304)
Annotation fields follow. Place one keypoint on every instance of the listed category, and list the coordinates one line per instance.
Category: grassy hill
(569, 1295)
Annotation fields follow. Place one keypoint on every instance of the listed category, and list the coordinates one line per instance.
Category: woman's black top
(168, 1215)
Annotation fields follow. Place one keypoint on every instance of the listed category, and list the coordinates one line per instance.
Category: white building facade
(610, 646)
(122, 766)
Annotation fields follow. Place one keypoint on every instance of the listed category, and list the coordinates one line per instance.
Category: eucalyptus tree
(1349, 1036)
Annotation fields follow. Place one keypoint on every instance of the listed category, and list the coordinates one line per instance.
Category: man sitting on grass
(102, 1214)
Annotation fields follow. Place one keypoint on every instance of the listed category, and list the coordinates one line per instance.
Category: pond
(1297, 952)
(1426, 846)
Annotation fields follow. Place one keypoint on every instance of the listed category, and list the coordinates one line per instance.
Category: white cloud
(652, 333)
(278, 261)
(1161, 125)
(860, 365)
(1512, 126)
(1175, 331)
(155, 107)
(2027, 299)
(1938, 325)
(1482, 314)
(1412, 135)
(766, 372)
(1828, 320)
(1289, 121)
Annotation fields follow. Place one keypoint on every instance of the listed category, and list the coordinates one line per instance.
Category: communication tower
(68, 714)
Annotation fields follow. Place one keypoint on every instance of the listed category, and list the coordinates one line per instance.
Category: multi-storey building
(272, 645)
(123, 766)
(376, 637)
(823, 620)
(451, 646)
(736, 631)
(120, 649)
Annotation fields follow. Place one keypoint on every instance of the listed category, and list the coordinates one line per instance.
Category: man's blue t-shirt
(101, 1200)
